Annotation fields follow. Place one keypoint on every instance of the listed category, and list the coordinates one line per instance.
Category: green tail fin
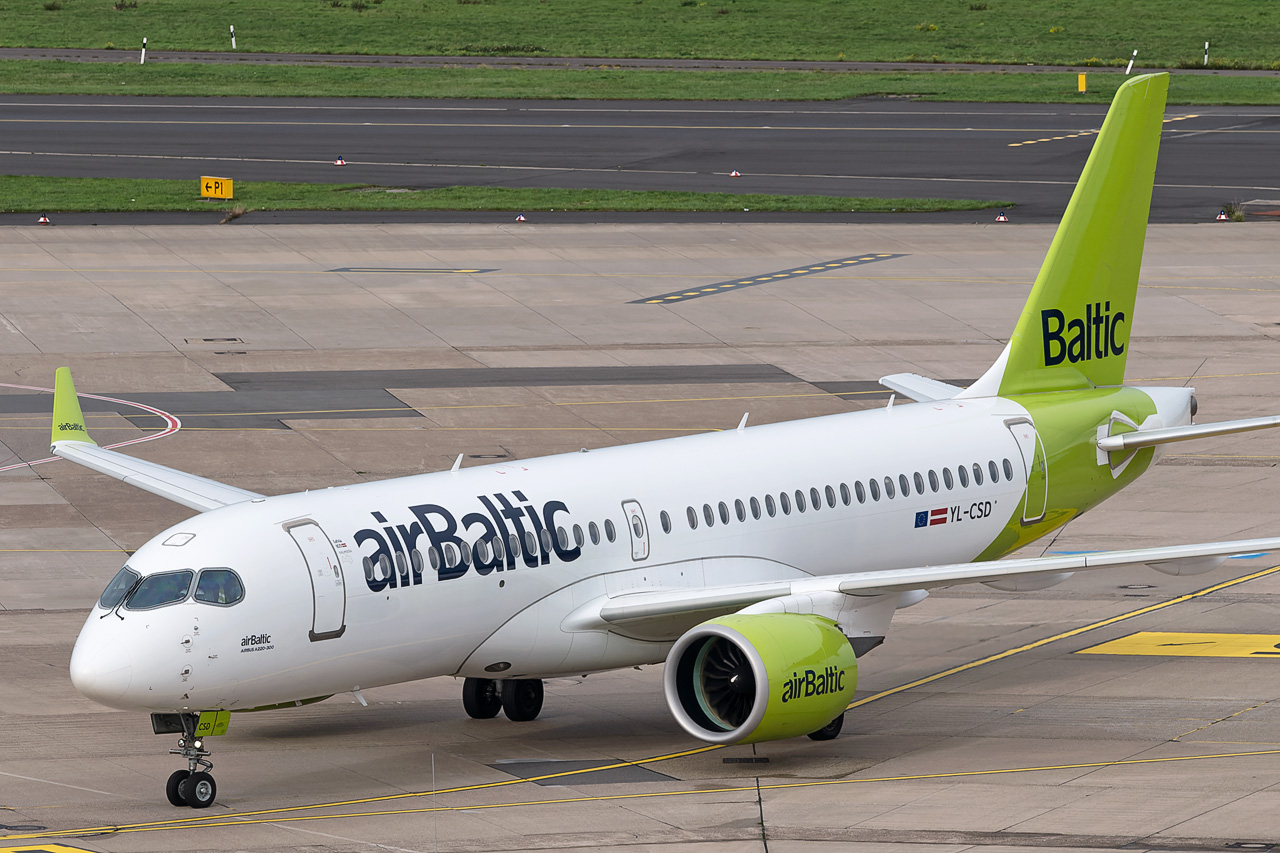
(68, 420)
(1074, 331)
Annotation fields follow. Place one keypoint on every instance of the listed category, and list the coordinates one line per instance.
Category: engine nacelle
(755, 677)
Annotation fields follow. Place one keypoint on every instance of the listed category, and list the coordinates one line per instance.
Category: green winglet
(1074, 331)
(68, 420)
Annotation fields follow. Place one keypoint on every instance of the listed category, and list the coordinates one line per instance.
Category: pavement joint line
(737, 283)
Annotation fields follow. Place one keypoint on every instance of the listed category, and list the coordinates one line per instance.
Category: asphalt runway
(1027, 154)
(988, 721)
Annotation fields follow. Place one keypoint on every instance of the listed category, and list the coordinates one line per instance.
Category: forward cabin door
(1036, 467)
(328, 588)
(639, 530)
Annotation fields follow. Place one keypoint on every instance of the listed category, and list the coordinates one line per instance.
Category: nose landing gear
(194, 786)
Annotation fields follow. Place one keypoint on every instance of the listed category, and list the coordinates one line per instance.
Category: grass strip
(1242, 33)
(27, 194)
(183, 79)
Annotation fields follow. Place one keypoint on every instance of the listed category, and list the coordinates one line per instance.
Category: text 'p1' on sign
(215, 187)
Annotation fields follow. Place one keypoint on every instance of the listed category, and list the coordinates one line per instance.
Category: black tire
(171, 787)
(481, 698)
(522, 699)
(199, 790)
(830, 731)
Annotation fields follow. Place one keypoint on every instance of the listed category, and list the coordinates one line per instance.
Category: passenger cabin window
(769, 506)
(592, 530)
(755, 508)
(933, 479)
(964, 476)
(845, 497)
(815, 499)
(530, 543)
(159, 590)
(1008, 470)
(831, 496)
(905, 485)
(724, 513)
(219, 586)
(610, 532)
(693, 518)
(579, 541)
(118, 588)
(740, 510)
(875, 490)
(977, 474)
(995, 472)
(919, 481)
(888, 487)
(786, 503)
(546, 541)
(662, 516)
(947, 479)
(800, 500)
(708, 515)
(862, 492)
(513, 541)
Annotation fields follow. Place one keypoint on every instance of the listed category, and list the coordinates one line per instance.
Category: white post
(233, 36)
(1131, 59)
(143, 59)
(1206, 54)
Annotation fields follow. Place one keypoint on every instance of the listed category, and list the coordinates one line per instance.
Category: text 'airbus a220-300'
(725, 555)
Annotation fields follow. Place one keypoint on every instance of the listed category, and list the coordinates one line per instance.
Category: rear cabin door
(639, 530)
(328, 589)
(1036, 467)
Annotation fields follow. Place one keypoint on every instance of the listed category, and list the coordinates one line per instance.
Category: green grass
(24, 194)
(1166, 32)
(51, 77)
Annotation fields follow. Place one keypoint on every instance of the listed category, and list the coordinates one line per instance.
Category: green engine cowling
(756, 677)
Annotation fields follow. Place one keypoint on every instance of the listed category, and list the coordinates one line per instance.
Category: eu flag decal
(922, 519)
(928, 518)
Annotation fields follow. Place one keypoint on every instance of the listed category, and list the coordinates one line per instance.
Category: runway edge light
(1002, 217)
(1222, 216)
(339, 161)
(520, 218)
(43, 220)
(735, 174)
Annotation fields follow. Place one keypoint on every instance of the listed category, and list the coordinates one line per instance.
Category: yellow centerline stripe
(1102, 623)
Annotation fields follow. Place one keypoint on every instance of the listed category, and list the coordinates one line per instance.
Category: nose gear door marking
(328, 588)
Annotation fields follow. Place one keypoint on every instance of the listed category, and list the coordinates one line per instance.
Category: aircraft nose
(101, 671)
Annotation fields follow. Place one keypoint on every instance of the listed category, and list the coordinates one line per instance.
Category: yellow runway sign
(1260, 646)
(215, 187)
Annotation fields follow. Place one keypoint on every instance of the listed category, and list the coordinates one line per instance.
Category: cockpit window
(159, 590)
(119, 586)
(219, 586)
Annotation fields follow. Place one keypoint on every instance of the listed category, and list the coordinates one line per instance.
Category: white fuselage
(305, 630)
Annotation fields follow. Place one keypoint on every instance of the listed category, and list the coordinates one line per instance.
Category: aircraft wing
(633, 608)
(71, 442)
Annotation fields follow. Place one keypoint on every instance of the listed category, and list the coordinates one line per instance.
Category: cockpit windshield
(219, 586)
(159, 590)
(119, 587)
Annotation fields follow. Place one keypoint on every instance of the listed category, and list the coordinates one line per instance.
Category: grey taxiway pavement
(1027, 154)
(304, 356)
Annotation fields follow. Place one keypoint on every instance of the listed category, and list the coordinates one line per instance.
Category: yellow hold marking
(1257, 646)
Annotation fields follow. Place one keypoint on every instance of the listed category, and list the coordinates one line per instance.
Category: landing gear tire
(171, 787)
(198, 790)
(830, 731)
(522, 699)
(481, 698)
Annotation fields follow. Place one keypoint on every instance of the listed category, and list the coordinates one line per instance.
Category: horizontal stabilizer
(922, 389)
(1152, 437)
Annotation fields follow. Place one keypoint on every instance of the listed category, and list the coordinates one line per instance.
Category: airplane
(759, 563)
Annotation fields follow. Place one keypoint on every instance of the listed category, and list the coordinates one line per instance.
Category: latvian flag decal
(931, 517)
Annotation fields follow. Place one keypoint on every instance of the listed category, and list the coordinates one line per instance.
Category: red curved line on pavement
(172, 424)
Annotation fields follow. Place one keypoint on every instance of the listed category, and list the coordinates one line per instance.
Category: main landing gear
(830, 731)
(194, 786)
(519, 698)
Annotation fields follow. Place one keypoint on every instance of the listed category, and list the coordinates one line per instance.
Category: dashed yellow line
(1087, 133)
(726, 286)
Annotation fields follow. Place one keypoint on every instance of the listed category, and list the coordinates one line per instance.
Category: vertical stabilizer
(1074, 330)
